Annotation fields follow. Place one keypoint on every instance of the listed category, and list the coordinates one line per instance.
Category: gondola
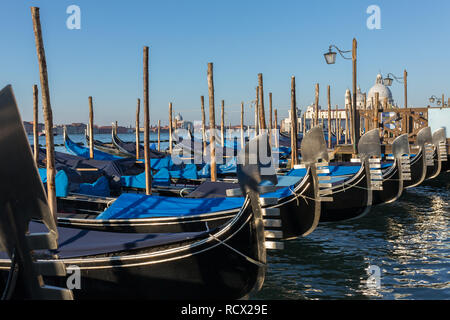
(439, 153)
(391, 187)
(115, 169)
(228, 262)
(81, 151)
(349, 198)
(299, 209)
(129, 148)
(419, 161)
(109, 148)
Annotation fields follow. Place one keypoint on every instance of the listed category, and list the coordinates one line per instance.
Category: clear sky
(242, 38)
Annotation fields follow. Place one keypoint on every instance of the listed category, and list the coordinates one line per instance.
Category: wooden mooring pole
(222, 124)
(375, 110)
(275, 127)
(91, 129)
(170, 127)
(257, 112)
(294, 156)
(202, 101)
(329, 117)
(148, 172)
(35, 124)
(212, 122)
(270, 113)
(242, 126)
(47, 111)
(138, 139)
(262, 113)
(159, 135)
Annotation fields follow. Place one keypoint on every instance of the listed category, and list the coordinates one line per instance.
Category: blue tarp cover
(74, 242)
(134, 206)
(61, 182)
(98, 188)
(229, 167)
(161, 178)
(84, 152)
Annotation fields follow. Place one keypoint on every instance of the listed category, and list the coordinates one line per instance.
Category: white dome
(178, 117)
(383, 92)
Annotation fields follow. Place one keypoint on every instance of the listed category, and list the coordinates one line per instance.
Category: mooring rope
(249, 259)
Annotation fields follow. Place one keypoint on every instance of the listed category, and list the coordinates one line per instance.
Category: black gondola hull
(392, 187)
(350, 200)
(201, 267)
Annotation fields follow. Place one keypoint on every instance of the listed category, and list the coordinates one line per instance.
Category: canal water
(398, 251)
(406, 241)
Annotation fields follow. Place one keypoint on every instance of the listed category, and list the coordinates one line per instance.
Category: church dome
(178, 117)
(383, 92)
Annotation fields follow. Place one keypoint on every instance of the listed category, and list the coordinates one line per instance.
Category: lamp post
(390, 79)
(438, 101)
(330, 58)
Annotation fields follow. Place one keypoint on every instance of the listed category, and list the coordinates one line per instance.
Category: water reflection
(407, 240)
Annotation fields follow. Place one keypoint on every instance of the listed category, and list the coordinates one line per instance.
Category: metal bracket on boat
(251, 173)
(425, 141)
(429, 152)
(315, 156)
(440, 142)
(22, 199)
(369, 150)
(261, 190)
(324, 192)
(266, 201)
(234, 193)
(401, 153)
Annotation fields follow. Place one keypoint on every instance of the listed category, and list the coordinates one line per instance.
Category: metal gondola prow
(369, 151)
(440, 142)
(401, 152)
(315, 156)
(369, 145)
(313, 147)
(22, 198)
(253, 169)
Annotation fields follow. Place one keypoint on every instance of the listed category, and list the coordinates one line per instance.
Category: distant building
(383, 92)
(108, 129)
(286, 123)
(180, 123)
(28, 125)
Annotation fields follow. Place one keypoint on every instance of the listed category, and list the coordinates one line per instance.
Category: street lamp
(433, 98)
(438, 101)
(330, 58)
(390, 79)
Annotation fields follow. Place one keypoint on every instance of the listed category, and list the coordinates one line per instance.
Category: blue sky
(242, 38)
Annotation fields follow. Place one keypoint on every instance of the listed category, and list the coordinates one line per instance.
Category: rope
(251, 260)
